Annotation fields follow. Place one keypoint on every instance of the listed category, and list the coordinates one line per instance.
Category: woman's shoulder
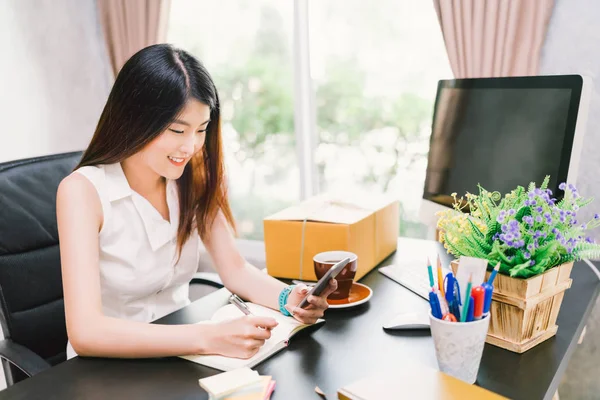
(92, 172)
(83, 179)
(88, 180)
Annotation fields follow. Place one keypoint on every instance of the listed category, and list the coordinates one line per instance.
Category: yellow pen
(440, 279)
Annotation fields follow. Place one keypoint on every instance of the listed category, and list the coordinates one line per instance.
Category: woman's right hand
(241, 337)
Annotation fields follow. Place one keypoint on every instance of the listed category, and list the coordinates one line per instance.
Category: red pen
(478, 294)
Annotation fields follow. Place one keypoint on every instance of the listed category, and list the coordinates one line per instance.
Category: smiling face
(168, 154)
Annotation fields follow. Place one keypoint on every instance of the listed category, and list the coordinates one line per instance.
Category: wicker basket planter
(524, 311)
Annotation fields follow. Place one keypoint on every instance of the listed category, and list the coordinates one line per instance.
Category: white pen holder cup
(459, 346)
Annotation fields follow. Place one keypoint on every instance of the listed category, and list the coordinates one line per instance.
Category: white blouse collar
(158, 230)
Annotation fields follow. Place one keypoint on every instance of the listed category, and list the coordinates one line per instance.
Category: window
(375, 79)
(374, 75)
(246, 46)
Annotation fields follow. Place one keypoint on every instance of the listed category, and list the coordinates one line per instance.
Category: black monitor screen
(501, 133)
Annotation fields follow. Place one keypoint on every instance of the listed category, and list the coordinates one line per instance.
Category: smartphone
(324, 281)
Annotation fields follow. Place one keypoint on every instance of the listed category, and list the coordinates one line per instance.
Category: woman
(149, 188)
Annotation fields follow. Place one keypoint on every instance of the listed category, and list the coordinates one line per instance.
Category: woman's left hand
(317, 304)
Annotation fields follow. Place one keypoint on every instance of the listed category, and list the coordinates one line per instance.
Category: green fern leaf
(545, 183)
(493, 228)
(523, 211)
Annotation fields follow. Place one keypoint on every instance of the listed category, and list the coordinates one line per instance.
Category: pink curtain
(493, 38)
(131, 25)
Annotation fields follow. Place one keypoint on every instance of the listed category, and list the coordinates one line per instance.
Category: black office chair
(32, 313)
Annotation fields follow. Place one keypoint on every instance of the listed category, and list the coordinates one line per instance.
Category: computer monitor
(501, 133)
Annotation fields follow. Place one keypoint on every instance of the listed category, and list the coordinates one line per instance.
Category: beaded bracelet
(283, 296)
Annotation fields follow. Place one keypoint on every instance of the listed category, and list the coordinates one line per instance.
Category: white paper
(473, 267)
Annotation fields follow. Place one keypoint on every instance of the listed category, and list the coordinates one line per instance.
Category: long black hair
(149, 92)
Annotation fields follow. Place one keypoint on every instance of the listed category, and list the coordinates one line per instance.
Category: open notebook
(280, 336)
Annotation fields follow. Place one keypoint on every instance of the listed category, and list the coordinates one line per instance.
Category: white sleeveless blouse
(139, 277)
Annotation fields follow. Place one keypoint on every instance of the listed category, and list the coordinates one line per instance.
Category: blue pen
(487, 298)
(453, 295)
(436, 311)
(489, 290)
(449, 287)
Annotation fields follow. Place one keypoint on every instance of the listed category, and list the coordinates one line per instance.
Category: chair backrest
(31, 296)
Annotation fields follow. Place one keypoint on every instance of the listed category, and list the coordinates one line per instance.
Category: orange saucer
(359, 294)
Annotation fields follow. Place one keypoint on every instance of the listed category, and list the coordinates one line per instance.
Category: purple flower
(572, 187)
(528, 220)
(539, 209)
(510, 243)
(538, 191)
(511, 212)
(530, 247)
(555, 231)
(589, 240)
(596, 216)
(552, 202)
(504, 228)
(562, 186)
(532, 262)
(526, 255)
(538, 218)
(549, 192)
(545, 197)
(575, 207)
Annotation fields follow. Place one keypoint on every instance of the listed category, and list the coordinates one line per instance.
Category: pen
(239, 303)
(439, 275)
(435, 305)
(487, 300)
(489, 290)
(463, 317)
(478, 296)
(453, 295)
(449, 280)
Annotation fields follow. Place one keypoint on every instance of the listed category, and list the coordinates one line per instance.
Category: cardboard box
(367, 226)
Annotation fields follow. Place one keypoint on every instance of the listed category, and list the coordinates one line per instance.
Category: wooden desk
(350, 345)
